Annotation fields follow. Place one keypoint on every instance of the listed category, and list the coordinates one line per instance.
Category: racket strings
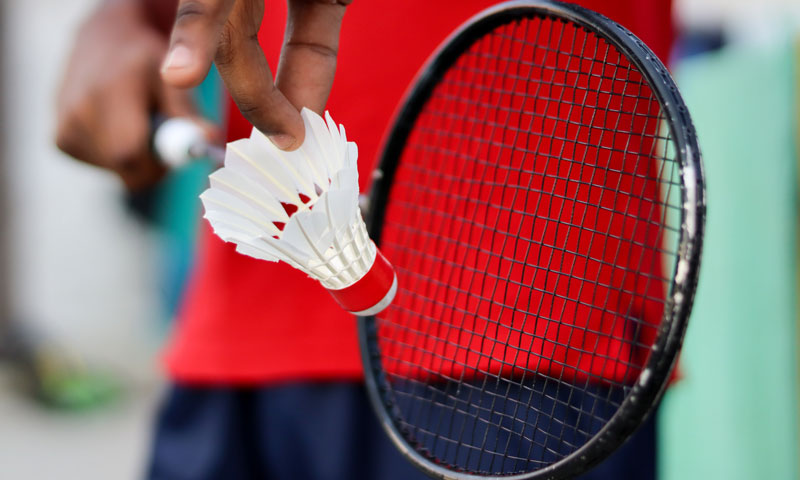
(551, 416)
(459, 442)
(483, 446)
(529, 225)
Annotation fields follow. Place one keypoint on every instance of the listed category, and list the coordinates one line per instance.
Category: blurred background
(89, 278)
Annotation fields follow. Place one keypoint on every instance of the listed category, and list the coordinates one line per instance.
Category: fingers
(226, 31)
(248, 78)
(308, 59)
(128, 154)
(194, 39)
(113, 134)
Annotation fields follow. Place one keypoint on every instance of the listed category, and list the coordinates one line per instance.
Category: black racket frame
(649, 387)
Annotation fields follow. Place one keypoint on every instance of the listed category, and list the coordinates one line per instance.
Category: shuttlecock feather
(301, 207)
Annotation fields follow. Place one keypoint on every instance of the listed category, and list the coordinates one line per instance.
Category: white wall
(744, 21)
(81, 269)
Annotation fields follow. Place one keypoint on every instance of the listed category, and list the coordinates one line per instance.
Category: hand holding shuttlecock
(301, 207)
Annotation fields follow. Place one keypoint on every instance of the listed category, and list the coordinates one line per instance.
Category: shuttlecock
(301, 207)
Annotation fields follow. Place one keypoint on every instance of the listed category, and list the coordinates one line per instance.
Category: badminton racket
(541, 198)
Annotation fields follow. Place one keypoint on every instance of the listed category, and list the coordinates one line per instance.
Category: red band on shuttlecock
(374, 292)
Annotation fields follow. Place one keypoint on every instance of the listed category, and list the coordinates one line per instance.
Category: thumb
(193, 43)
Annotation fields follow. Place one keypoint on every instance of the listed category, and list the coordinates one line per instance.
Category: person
(265, 371)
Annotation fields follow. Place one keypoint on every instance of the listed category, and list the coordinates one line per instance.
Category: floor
(106, 444)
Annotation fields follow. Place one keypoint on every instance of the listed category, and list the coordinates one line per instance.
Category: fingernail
(178, 57)
(282, 140)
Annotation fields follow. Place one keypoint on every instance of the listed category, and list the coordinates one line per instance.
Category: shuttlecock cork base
(379, 282)
(301, 207)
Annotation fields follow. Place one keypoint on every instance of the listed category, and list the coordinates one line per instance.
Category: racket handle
(178, 140)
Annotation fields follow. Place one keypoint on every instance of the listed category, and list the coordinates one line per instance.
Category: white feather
(251, 249)
(242, 157)
(333, 131)
(324, 235)
(345, 187)
(352, 155)
(293, 162)
(230, 227)
(316, 126)
(254, 194)
(226, 203)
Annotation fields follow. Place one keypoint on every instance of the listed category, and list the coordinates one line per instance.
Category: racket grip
(177, 141)
(373, 292)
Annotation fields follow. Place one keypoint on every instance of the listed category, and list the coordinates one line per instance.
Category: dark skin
(123, 68)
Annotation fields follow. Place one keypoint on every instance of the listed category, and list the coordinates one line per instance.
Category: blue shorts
(307, 431)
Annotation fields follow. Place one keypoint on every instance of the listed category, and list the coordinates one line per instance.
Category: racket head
(677, 247)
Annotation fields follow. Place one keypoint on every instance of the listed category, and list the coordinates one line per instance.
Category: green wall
(734, 414)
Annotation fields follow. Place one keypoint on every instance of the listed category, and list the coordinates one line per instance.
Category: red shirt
(250, 321)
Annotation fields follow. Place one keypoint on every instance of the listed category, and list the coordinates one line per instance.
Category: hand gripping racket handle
(178, 141)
